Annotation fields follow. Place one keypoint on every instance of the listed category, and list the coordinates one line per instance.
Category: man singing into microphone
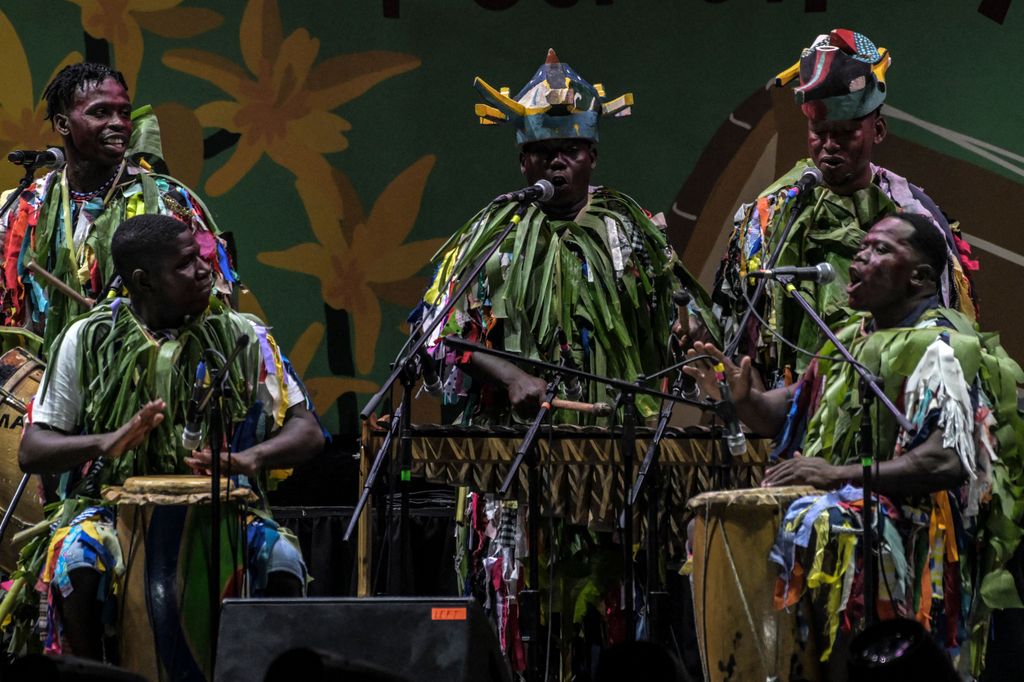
(951, 490)
(113, 403)
(587, 265)
(588, 261)
(64, 220)
(841, 90)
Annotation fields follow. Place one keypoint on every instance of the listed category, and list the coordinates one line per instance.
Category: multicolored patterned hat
(555, 104)
(842, 76)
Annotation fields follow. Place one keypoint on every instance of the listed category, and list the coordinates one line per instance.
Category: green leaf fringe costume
(122, 366)
(894, 354)
(561, 274)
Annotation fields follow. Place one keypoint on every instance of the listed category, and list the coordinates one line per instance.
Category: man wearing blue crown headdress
(587, 271)
(589, 262)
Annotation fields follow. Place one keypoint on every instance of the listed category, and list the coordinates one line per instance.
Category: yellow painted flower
(21, 112)
(323, 391)
(121, 22)
(282, 106)
(361, 259)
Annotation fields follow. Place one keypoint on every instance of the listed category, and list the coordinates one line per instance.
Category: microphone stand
(216, 392)
(733, 345)
(529, 599)
(26, 180)
(657, 597)
(405, 358)
(869, 390)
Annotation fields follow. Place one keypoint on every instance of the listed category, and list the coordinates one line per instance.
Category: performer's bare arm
(525, 391)
(45, 450)
(926, 469)
(762, 411)
(299, 440)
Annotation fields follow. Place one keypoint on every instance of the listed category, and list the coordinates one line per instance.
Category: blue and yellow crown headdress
(555, 104)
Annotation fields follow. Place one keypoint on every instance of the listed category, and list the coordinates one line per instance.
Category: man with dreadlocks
(64, 220)
(113, 404)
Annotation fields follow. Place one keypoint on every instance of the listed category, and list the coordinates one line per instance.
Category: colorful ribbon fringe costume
(122, 365)
(946, 557)
(70, 235)
(842, 77)
(603, 279)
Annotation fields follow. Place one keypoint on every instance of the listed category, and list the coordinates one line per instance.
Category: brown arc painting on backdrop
(766, 135)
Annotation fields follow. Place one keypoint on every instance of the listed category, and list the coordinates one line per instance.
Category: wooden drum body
(20, 374)
(741, 635)
(163, 524)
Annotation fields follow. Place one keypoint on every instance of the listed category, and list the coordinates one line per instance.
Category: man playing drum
(841, 88)
(949, 489)
(113, 403)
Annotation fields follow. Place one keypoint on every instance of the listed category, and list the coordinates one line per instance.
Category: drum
(741, 635)
(20, 374)
(163, 524)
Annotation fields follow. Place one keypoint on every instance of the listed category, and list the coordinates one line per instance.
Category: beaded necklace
(83, 196)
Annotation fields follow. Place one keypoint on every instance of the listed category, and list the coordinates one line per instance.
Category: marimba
(581, 475)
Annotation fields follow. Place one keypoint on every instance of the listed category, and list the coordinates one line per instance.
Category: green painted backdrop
(337, 140)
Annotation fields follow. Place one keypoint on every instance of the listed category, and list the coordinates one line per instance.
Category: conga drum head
(20, 374)
(741, 635)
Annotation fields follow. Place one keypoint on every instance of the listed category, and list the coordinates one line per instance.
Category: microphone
(191, 436)
(735, 440)
(431, 381)
(687, 384)
(573, 389)
(822, 273)
(51, 158)
(809, 179)
(542, 190)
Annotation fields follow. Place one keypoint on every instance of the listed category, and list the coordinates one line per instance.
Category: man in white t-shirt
(113, 404)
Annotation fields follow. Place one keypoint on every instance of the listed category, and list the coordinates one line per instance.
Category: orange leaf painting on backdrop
(21, 111)
(282, 99)
(361, 259)
(120, 23)
(323, 391)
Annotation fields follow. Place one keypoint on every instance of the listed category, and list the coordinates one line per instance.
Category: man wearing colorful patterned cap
(841, 90)
(588, 271)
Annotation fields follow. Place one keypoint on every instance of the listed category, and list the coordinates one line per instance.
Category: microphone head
(826, 273)
(681, 297)
(811, 177)
(547, 190)
(58, 157)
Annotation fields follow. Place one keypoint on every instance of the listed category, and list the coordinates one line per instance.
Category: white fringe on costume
(938, 383)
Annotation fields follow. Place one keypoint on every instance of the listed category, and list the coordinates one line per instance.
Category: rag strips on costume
(70, 236)
(604, 279)
(944, 555)
(829, 229)
(121, 366)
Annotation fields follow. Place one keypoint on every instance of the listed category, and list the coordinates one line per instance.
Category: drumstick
(596, 409)
(59, 285)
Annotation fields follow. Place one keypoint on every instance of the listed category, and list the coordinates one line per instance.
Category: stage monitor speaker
(418, 639)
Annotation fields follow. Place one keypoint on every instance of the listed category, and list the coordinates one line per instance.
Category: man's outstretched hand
(134, 431)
